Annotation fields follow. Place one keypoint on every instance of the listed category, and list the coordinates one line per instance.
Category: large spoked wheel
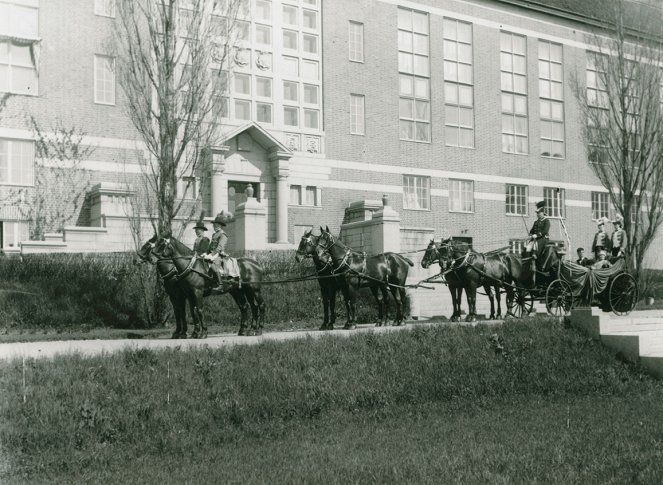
(522, 303)
(623, 294)
(559, 298)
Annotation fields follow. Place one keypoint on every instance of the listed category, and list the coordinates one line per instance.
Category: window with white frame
(516, 199)
(600, 205)
(264, 113)
(306, 195)
(458, 84)
(416, 192)
(555, 201)
(17, 67)
(356, 41)
(13, 232)
(105, 8)
(551, 99)
(357, 114)
(290, 15)
(17, 161)
(19, 19)
(461, 195)
(414, 75)
(187, 188)
(104, 79)
(513, 72)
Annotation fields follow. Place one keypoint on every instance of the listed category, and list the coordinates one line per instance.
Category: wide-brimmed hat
(222, 218)
(618, 220)
(600, 222)
(200, 225)
(602, 252)
(541, 206)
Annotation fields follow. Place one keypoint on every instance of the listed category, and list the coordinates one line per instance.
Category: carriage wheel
(559, 298)
(623, 294)
(522, 303)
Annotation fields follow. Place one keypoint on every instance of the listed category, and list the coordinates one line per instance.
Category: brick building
(461, 112)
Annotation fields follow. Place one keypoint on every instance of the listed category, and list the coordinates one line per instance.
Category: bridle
(348, 251)
(308, 253)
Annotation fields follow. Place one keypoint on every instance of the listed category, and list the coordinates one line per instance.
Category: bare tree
(172, 60)
(621, 109)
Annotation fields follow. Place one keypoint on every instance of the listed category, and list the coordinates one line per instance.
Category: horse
(380, 273)
(471, 270)
(453, 283)
(192, 273)
(167, 272)
(328, 284)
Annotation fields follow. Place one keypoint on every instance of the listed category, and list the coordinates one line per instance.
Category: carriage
(562, 285)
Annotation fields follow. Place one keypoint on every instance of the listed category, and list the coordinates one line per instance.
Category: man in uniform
(216, 252)
(619, 240)
(582, 260)
(538, 235)
(201, 244)
(601, 239)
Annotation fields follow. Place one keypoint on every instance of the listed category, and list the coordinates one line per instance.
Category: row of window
(416, 196)
(415, 85)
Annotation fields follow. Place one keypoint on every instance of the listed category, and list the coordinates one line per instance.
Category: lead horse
(193, 276)
(329, 284)
(381, 273)
(468, 270)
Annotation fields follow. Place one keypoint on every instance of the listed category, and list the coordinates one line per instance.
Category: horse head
(146, 252)
(307, 245)
(431, 254)
(164, 247)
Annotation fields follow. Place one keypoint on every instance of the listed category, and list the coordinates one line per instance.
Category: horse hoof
(349, 327)
(470, 318)
(258, 332)
(242, 332)
(175, 335)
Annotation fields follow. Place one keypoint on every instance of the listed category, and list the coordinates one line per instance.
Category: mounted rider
(201, 244)
(224, 266)
(538, 235)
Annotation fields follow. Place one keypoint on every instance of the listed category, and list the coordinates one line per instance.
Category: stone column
(218, 182)
(250, 224)
(281, 171)
(386, 229)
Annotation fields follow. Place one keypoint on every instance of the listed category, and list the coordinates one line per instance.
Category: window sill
(356, 61)
(104, 104)
(458, 146)
(517, 215)
(548, 157)
(358, 134)
(415, 209)
(298, 206)
(15, 184)
(518, 154)
(461, 212)
(415, 141)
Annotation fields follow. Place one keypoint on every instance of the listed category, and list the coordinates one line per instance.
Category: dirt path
(50, 349)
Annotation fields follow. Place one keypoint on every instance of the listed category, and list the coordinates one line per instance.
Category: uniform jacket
(218, 243)
(582, 261)
(540, 228)
(619, 239)
(602, 240)
(201, 245)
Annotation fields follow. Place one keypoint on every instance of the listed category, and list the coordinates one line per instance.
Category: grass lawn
(522, 403)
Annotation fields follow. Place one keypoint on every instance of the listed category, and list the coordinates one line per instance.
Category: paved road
(50, 349)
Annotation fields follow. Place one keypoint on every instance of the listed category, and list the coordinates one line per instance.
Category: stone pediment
(261, 136)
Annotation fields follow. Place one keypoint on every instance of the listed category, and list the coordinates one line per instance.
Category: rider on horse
(216, 254)
(201, 244)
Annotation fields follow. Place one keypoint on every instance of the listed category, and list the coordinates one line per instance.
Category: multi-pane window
(356, 41)
(600, 205)
(304, 195)
(290, 116)
(597, 100)
(551, 102)
(461, 195)
(19, 19)
(17, 69)
(516, 200)
(289, 15)
(513, 72)
(414, 75)
(555, 202)
(458, 84)
(357, 114)
(105, 8)
(416, 192)
(12, 233)
(104, 79)
(17, 159)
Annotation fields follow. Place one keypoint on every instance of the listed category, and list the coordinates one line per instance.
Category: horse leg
(262, 308)
(346, 299)
(378, 298)
(455, 302)
(352, 308)
(198, 309)
(243, 305)
(384, 289)
(489, 293)
(332, 307)
(471, 294)
(498, 297)
(396, 293)
(250, 298)
(179, 310)
(325, 305)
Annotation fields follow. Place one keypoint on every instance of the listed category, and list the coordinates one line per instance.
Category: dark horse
(197, 283)
(380, 273)
(469, 270)
(329, 285)
(167, 272)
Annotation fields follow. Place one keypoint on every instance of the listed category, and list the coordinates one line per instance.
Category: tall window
(357, 114)
(356, 41)
(461, 195)
(414, 77)
(555, 202)
(304, 195)
(458, 84)
(17, 69)
(104, 80)
(17, 159)
(597, 100)
(600, 205)
(12, 233)
(105, 8)
(416, 192)
(516, 200)
(551, 100)
(513, 62)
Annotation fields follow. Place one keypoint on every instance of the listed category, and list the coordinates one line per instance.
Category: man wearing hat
(619, 240)
(201, 244)
(216, 253)
(539, 231)
(601, 239)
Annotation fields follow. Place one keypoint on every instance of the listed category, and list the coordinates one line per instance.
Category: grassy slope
(514, 404)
